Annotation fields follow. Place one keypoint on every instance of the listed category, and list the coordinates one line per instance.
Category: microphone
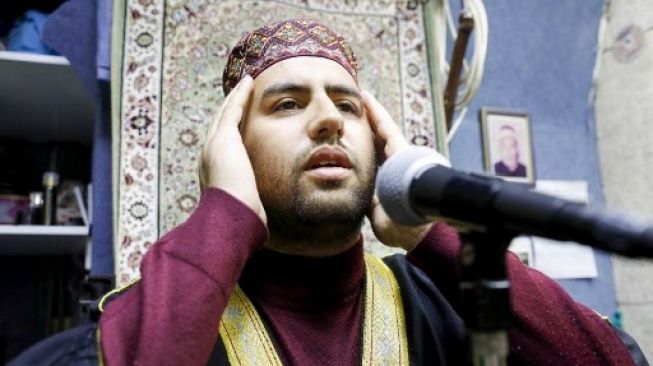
(416, 186)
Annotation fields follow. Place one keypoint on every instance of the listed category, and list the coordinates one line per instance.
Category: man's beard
(301, 214)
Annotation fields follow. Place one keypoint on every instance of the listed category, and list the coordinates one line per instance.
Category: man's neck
(511, 163)
(329, 244)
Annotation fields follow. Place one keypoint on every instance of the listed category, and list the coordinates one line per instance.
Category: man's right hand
(389, 140)
(224, 161)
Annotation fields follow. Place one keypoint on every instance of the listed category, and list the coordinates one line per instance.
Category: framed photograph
(507, 145)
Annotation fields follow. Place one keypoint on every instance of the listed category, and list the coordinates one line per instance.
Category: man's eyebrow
(282, 88)
(343, 89)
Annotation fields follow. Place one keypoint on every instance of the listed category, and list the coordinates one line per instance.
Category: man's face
(509, 149)
(310, 144)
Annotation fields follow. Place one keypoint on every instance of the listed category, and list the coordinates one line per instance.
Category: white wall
(624, 118)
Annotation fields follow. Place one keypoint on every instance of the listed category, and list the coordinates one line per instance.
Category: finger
(218, 115)
(381, 121)
(234, 110)
(375, 201)
(216, 119)
(368, 101)
(383, 125)
(373, 207)
(213, 127)
(206, 149)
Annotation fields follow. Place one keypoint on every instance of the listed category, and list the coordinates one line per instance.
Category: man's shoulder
(76, 347)
(416, 285)
(435, 330)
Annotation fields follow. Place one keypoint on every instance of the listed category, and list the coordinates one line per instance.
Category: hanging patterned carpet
(172, 56)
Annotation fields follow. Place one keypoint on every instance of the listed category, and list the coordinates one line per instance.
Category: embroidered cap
(265, 46)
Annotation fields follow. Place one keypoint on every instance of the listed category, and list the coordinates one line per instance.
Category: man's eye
(287, 105)
(347, 107)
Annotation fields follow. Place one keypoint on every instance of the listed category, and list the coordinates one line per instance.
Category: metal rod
(429, 8)
(465, 27)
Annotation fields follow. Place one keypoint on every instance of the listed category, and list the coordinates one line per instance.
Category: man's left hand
(389, 140)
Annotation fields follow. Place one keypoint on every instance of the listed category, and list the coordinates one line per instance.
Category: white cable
(459, 120)
(472, 73)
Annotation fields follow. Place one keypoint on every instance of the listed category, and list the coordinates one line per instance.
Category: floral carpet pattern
(174, 52)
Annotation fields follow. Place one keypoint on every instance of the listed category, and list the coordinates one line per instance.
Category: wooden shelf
(42, 240)
(41, 99)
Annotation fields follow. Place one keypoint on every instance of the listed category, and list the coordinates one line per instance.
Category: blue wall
(541, 55)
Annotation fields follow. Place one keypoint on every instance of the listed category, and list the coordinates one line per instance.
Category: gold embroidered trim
(98, 344)
(115, 291)
(384, 329)
(244, 335)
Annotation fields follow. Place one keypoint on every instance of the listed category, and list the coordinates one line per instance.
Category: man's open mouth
(328, 157)
(329, 163)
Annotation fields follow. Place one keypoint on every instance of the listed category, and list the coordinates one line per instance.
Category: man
(509, 165)
(270, 267)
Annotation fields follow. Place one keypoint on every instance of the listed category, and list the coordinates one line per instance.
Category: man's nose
(327, 121)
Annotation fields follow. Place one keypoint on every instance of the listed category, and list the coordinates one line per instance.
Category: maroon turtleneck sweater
(313, 305)
(310, 301)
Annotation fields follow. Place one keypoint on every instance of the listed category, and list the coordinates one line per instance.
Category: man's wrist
(208, 235)
(418, 234)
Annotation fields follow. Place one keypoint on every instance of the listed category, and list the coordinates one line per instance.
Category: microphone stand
(486, 294)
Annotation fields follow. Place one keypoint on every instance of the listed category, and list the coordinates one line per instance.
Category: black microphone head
(394, 180)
